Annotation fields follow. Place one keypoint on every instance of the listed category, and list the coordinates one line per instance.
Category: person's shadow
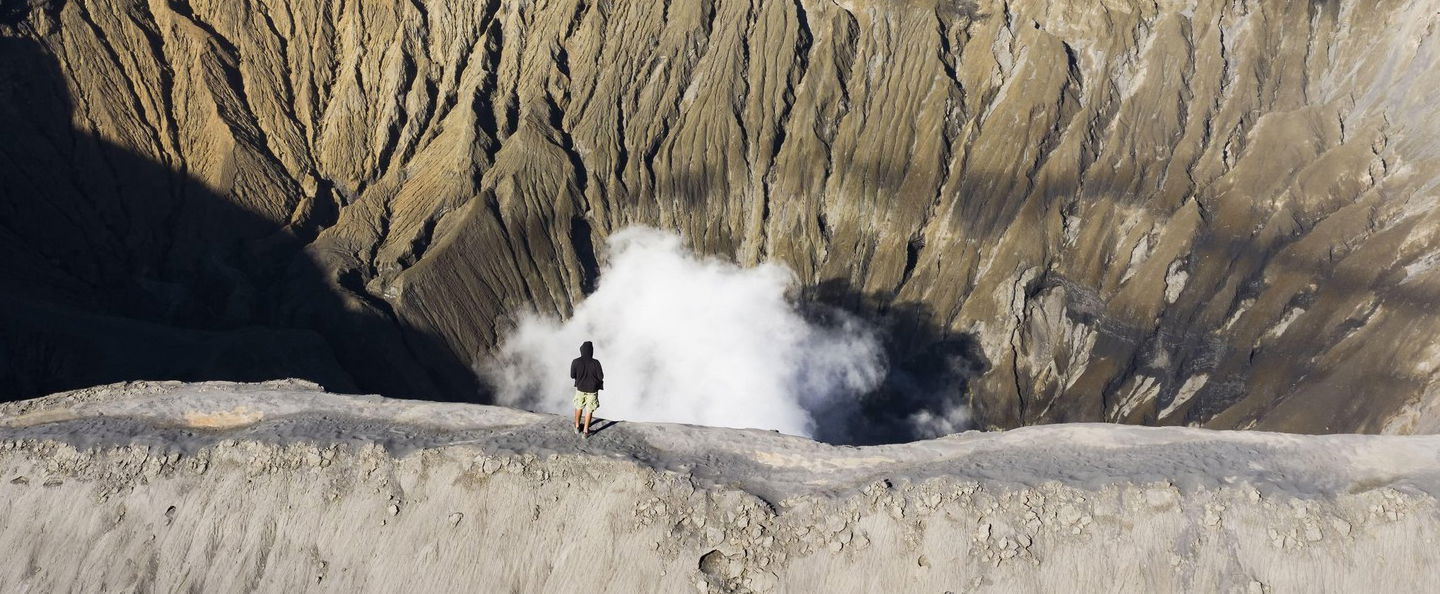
(120, 265)
(598, 425)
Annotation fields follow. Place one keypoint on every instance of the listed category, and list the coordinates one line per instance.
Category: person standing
(589, 380)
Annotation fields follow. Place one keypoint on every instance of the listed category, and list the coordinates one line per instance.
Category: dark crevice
(912, 257)
(13, 12)
(483, 103)
(422, 240)
(584, 247)
(622, 152)
(409, 72)
(566, 143)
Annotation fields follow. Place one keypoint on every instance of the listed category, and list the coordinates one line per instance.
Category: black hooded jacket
(589, 377)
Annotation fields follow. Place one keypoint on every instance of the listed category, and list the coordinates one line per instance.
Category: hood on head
(587, 350)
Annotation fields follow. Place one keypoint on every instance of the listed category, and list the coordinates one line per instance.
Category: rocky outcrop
(1215, 212)
(279, 486)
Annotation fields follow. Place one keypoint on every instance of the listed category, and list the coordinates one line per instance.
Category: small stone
(1341, 526)
(1212, 519)
(394, 509)
(1068, 514)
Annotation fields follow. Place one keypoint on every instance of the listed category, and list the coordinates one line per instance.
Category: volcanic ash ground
(282, 487)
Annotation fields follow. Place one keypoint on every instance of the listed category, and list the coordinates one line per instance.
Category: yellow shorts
(587, 400)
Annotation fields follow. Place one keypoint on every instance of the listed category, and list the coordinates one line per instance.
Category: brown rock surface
(1213, 212)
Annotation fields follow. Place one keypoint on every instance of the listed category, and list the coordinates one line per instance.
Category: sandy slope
(281, 486)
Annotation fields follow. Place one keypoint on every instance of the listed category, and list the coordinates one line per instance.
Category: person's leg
(591, 401)
(579, 404)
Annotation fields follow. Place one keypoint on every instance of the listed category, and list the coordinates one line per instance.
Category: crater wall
(1215, 213)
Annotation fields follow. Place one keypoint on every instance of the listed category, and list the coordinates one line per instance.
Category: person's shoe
(576, 428)
(585, 434)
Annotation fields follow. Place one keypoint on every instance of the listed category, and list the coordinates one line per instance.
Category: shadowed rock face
(1203, 212)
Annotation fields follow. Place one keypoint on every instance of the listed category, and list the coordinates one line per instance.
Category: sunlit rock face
(1212, 212)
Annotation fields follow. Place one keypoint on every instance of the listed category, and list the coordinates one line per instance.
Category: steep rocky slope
(1214, 212)
(280, 487)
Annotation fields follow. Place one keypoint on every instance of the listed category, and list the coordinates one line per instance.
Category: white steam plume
(693, 340)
